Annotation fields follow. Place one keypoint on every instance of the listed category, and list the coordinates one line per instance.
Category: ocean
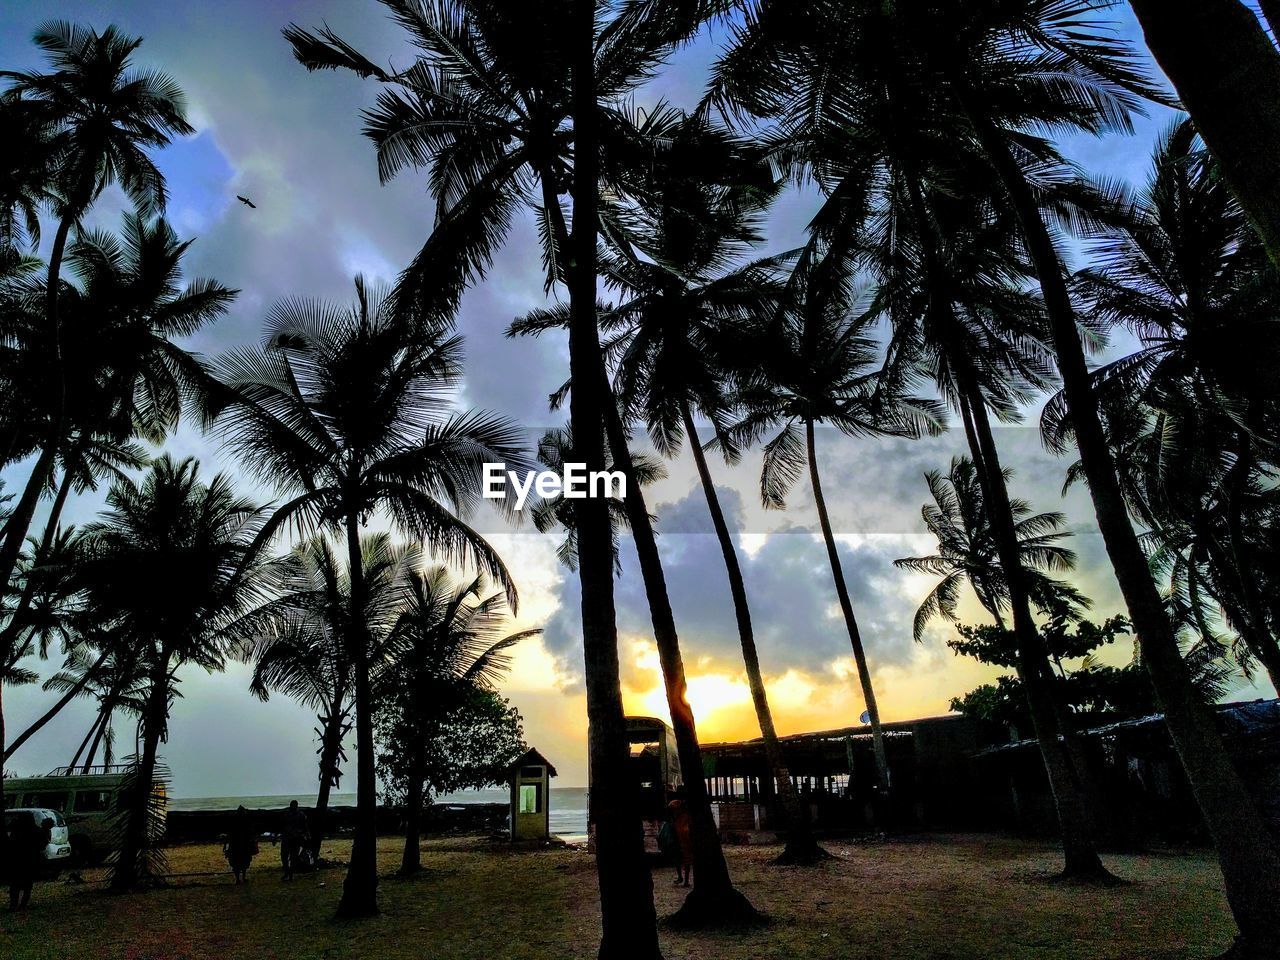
(568, 811)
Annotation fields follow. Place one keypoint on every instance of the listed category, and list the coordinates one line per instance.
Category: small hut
(530, 778)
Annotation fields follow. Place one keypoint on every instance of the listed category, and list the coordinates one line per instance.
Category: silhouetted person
(25, 857)
(293, 839)
(683, 823)
(242, 845)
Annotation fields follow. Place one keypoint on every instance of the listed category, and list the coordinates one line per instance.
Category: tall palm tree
(685, 296)
(986, 54)
(686, 155)
(104, 115)
(511, 105)
(822, 366)
(196, 542)
(714, 901)
(450, 640)
(129, 378)
(108, 670)
(302, 651)
(987, 74)
(345, 410)
(1182, 270)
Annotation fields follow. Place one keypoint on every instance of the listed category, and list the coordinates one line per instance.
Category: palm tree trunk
(131, 868)
(53, 711)
(19, 522)
(851, 623)
(15, 626)
(714, 901)
(330, 748)
(360, 888)
(1246, 851)
(1227, 74)
(103, 734)
(411, 861)
(1271, 12)
(3, 806)
(1063, 766)
(801, 848)
(628, 919)
(1253, 623)
(98, 721)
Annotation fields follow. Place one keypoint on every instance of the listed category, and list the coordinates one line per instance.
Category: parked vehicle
(84, 801)
(57, 852)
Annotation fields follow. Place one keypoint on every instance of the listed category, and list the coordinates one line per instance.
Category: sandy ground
(927, 898)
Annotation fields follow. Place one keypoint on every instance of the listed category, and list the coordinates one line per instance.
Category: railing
(94, 769)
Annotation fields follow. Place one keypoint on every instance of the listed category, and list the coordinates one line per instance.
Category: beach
(568, 809)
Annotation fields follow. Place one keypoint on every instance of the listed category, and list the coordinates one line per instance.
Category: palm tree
(1227, 73)
(487, 107)
(449, 641)
(966, 549)
(988, 72)
(302, 652)
(103, 116)
(197, 542)
(714, 901)
(27, 171)
(1191, 414)
(128, 377)
(345, 411)
(685, 297)
(117, 683)
(821, 366)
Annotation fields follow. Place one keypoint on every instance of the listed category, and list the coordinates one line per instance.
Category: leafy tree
(344, 410)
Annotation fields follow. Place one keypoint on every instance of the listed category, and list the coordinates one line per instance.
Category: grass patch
(931, 898)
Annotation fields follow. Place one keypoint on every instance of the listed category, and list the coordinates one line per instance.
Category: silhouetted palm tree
(303, 653)
(450, 639)
(685, 298)
(966, 549)
(1191, 414)
(195, 543)
(103, 116)
(817, 363)
(509, 105)
(344, 409)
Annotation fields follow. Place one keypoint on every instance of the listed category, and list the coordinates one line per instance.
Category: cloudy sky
(290, 141)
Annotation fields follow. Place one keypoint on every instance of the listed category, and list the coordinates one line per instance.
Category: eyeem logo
(574, 484)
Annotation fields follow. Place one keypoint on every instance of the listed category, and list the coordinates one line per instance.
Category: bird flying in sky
(247, 202)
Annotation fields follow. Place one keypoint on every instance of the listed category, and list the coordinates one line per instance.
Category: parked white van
(83, 800)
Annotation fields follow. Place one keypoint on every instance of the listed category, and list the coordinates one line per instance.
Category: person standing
(242, 845)
(682, 821)
(25, 856)
(293, 839)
